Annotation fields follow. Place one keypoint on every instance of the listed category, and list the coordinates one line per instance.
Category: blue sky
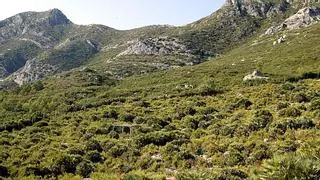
(119, 14)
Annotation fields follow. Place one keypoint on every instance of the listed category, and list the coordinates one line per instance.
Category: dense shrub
(234, 158)
(290, 112)
(301, 123)
(261, 119)
(287, 87)
(301, 98)
(159, 138)
(208, 89)
(291, 166)
(76, 151)
(282, 105)
(65, 164)
(111, 114)
(92, 145)
(242, 103)
(127, 117)
(94, 156)
(37, 171)
(232, 173)
(224, 174)
(117, 150)
(315, 104)
(84, 169)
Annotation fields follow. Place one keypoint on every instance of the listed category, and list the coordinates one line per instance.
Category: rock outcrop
(156, 46)
(33, 70)
(258, 8)
(34, 26)
(256, 75)
(303, 18)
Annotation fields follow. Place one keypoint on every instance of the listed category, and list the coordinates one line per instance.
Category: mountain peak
(56, 17)
(258, 8)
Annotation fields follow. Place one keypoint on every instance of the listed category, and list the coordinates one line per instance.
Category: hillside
(194, 122)
(34, 45)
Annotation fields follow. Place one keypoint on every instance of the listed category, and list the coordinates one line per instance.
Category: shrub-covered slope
(198, 122)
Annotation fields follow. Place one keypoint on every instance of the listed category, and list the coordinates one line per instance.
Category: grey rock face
(156, 46)
(303, 18)
(33, 70)
(33, 25)
(258, 8)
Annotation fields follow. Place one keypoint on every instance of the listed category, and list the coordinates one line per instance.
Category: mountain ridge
(52, 42)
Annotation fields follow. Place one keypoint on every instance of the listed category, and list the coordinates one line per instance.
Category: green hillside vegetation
(198, 122)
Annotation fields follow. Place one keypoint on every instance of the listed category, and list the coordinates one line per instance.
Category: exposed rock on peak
(303, 18)
(258, 8)
(56, 17)
(52, 17)
(40, 28)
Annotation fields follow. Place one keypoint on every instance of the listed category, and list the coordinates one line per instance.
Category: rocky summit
(234, 95)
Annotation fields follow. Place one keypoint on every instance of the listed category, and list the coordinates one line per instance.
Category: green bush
(292, 166)
(94, 156)
(127, 117)
(159, 138)
(315, 104)
(92, 145)
(84, 169)
(111, 114)
(117, 150)
(261, 119)
(290, 112)
(65, 164)
(234, 158)
(301, 98)
(242, 103)
(301, 123)
(208, 89)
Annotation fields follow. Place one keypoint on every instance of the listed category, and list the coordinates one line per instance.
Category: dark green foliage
(315, 104)
(301, 123)
(111, 114)
(84, 169)
(127, 117)
(301, 98)
(65, 164)
(160, 138)
(208, 89)
(234, 158)
(4, 171)
(223, 174)
(291, 167)
(242, 103)
(94, 156)
(92, 145)
(232, 174)
(290, 112)
(117, 150)
(260, 120)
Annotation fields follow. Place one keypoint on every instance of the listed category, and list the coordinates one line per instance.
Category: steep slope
(26, 34)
